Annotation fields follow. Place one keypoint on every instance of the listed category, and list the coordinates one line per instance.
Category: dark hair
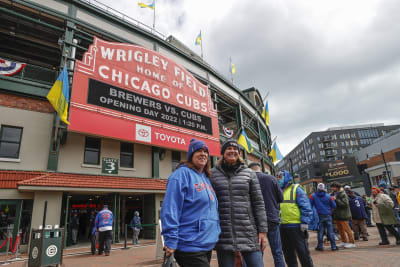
(254, 164)
(190, 165)
(221, 160)
(336, 185)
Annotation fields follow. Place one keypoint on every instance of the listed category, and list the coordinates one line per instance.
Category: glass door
(9, 220)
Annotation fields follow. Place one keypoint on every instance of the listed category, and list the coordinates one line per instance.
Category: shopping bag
(169, 261)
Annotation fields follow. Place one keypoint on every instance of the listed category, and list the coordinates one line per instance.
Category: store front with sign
(123, 206)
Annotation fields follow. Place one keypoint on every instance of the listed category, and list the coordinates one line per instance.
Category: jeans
(369, 221)
(251, 258)
(135, 238)
(274, 239)
(396, 213)
(193, 259)
(325, 222)
(105, 238)
(74, 236)
(295, 241)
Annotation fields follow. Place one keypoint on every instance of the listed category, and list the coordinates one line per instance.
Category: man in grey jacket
(243, 219)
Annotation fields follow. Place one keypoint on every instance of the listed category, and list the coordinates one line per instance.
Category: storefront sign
(339, 169)
(109, 166)
(128, 92)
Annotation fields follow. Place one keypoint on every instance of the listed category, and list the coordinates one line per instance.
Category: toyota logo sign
(143, 133)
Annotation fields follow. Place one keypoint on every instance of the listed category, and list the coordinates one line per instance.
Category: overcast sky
(325, 63)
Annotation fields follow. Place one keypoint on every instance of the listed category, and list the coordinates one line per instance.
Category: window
(10, 141)
(126, 155)
(397, 156)
(92, 151)
(176, 158)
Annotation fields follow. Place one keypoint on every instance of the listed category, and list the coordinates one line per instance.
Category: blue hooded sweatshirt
(323, 202)
(306, 212)
(189, 213)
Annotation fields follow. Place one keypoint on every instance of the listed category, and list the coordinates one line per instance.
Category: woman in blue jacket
(189, 213)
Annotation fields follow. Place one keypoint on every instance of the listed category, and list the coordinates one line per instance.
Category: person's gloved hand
(303, 227)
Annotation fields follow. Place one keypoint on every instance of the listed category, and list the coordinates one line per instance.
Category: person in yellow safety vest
(296, 213)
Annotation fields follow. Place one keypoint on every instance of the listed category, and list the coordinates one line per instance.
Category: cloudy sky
(324, 63)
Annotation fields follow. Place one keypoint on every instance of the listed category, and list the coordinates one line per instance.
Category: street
(367, 253)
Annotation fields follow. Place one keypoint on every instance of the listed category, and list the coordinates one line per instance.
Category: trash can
(46, 247)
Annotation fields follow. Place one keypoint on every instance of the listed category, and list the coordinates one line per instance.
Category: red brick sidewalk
(367, 253)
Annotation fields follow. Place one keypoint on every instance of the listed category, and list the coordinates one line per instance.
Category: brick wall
(377, 159)
(26, 103)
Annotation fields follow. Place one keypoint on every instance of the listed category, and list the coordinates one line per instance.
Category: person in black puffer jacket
(242, 215)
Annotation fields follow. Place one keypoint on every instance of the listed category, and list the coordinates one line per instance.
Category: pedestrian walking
(342, 215)
(272, 195)
(358, 216)
(324, 205)
(296, 213)
(103, 224)
(241, 209)
(136, 225)
(383, 215)
(74, 228)
(189, 213)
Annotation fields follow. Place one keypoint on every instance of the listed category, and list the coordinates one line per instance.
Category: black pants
(381, 228)
(193, 259)
(295, 241)
(105, 238)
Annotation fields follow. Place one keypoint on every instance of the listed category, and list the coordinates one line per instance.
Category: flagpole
(254, 115)
(57, 118)
(230, 67)
(154, 16)
(201, 45)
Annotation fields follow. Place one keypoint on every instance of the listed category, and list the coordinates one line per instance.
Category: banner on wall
(131, 93)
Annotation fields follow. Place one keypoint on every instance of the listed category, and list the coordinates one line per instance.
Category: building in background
(381, 159)
(329, 155)
(114, 151)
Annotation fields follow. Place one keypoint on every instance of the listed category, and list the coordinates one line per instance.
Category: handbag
(169, 261)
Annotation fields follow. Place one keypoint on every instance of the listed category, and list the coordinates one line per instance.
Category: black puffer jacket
(241, 209)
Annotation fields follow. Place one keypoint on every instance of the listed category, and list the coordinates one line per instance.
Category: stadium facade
(137, 97)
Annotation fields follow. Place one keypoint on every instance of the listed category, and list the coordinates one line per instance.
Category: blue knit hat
(196, 145)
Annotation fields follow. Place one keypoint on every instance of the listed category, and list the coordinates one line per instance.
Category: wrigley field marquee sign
(131, 93)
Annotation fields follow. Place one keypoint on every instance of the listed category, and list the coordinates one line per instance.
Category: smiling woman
(190, 222)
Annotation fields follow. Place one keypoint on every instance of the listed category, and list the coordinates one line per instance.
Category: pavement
(366, 254)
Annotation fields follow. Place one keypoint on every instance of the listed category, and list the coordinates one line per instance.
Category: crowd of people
(233, 209)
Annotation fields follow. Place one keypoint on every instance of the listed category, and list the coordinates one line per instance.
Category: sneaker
(349, 245)
(334, 249)
(319, 249)
(107, 253)
(340, 245)
(365, 238)
(383, 243)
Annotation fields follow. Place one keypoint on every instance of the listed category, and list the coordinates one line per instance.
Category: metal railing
(124, 17)
(37, 74)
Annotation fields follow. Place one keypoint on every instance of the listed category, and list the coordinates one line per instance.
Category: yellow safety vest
(290, 212)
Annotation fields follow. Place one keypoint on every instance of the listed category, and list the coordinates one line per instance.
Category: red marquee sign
(131, 93)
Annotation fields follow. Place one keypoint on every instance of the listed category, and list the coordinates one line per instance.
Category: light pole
(384, 162)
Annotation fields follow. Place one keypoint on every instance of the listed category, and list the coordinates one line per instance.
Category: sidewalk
(367, 254)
